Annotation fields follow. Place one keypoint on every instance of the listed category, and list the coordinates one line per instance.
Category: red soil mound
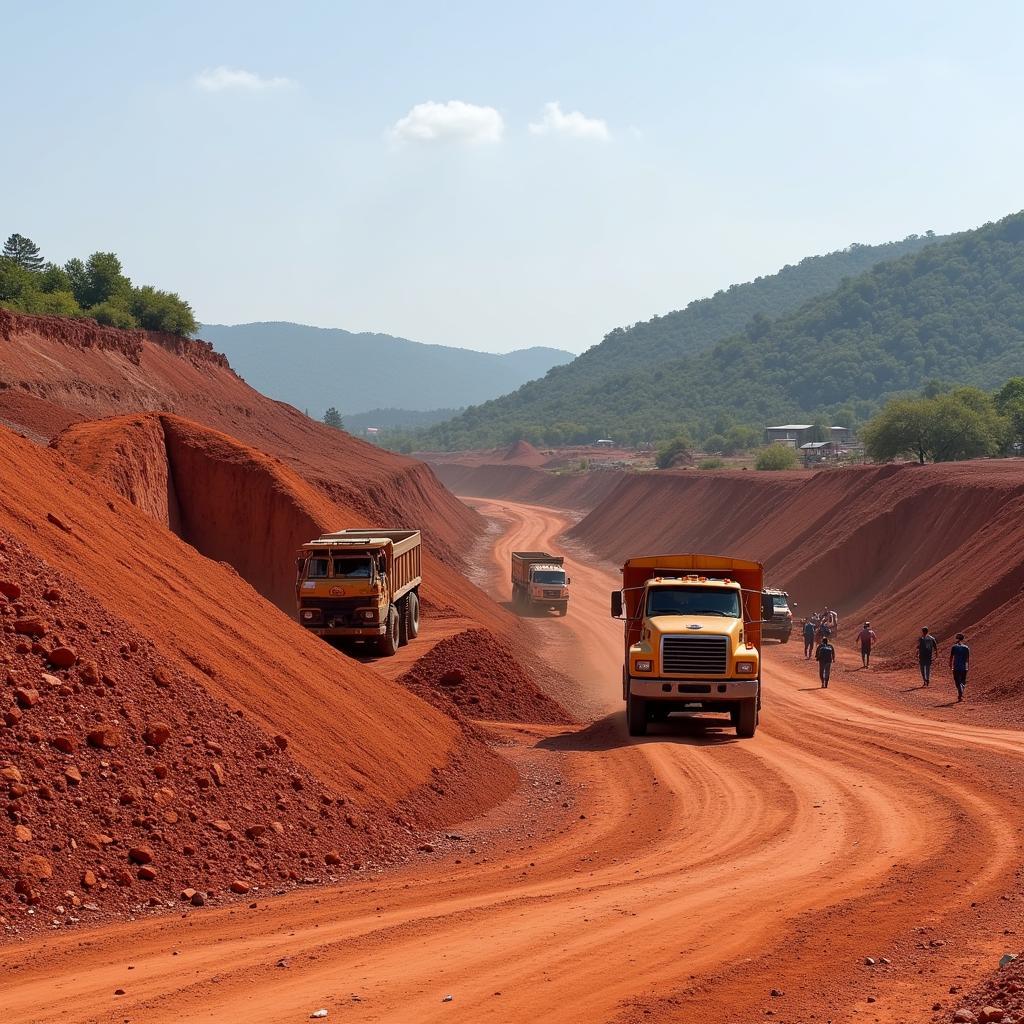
(999, 998)
(340, 717)
(127, 783)
(522, 453)
(905, 546)
(478, 674)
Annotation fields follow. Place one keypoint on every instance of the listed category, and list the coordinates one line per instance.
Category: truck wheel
(403, 621)
(746, 718)
(636, 716)
(413, 602)
(785, 639)
(387, 645)
(563, 610)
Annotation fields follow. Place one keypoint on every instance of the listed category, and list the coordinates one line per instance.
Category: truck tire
(636, 715)
(563, 609)
(387, 645)
(746, 718)
(403, 621)
(414, 615)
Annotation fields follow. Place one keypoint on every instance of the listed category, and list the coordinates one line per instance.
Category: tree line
(96, 288)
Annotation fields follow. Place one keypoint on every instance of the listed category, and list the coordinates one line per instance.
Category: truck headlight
(642, 665)
(745, 668)
(369, 614)
(310, 614)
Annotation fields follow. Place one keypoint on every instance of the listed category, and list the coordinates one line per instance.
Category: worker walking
(825, 656)
(808, 639)
(866, 637)
(927, 648)
(960, 662)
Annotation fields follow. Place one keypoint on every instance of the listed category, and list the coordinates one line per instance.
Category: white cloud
(573, 125)
(454, 121)
(223, 79)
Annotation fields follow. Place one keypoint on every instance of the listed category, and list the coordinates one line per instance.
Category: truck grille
(552, 593)
(342, 612)
(695, 655)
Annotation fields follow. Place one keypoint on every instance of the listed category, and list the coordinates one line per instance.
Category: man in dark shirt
(825, 655)
(960, 662)
(809, 631)
(927, 648)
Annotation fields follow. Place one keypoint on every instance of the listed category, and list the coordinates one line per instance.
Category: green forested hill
(953, 311)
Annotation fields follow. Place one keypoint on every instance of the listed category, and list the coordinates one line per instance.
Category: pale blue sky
(267, 162)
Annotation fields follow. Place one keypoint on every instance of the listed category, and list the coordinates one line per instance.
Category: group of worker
(819, 628)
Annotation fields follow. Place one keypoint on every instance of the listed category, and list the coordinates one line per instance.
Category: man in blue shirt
(809, 632)
(959, 662)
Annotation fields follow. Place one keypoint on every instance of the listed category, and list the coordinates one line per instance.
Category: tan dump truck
(361, 585)
(692, 638)
(539, 581)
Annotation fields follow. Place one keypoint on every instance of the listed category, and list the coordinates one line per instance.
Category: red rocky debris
(10, 589)
(35, 868)
(22, 834)
(157, 734)
(240, 887)
(106, 737)
(140, 854)
(52, 594)
(26, 697)
(58, 522)
(64, 742)
(63, 657)
(147, 873)
(30, 626)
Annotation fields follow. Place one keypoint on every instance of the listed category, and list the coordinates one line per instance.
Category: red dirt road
(682, 877)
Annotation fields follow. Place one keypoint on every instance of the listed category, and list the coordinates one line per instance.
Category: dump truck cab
(361, 585)
(539, 580)
(692, 639)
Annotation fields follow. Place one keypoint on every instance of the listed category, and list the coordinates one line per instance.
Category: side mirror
(299, 563)
(568, 580)
(616, 604)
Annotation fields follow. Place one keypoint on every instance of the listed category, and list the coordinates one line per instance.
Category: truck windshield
(693, 601)
(317, 569)
(352, 568)
(551, 577)
(779, 603)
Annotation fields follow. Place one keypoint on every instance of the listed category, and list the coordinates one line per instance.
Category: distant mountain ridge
(315, 368)
(951, 312)
(618, 388)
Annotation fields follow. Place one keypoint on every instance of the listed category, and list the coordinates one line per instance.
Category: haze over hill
(607, 390)
(315, 368)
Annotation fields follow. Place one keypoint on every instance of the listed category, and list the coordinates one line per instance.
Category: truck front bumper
(694, 694)
(349, 631)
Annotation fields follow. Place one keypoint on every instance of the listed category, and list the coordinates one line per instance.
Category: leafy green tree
(112, 313)
(740, 439)
(711, 464)
(333, 419)
(777, 456)
(78, 279)
(961, 424)
(23, 252)
(105, 281)
(55, 303)
(1009, 401)
(54, 279)
(678, 450)
(715, 443)
(156, 310)
(15, 281)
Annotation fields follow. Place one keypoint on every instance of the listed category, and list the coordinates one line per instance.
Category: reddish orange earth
(686, 876)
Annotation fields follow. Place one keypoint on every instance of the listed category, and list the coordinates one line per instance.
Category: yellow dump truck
(361, 585)
(692, 638)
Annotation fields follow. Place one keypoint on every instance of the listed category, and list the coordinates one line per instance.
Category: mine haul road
(686, 876)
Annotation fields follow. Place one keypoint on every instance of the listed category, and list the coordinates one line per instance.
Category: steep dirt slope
(340, 718)
(237, 505)
(905, 546)
(78, 370)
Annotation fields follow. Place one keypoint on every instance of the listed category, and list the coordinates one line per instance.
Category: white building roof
(792, 426)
